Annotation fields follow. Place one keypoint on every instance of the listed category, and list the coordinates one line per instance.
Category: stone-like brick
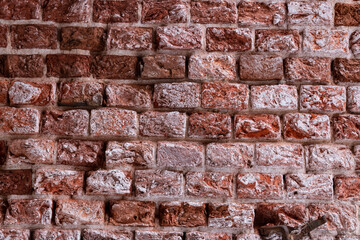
(163, 66)
(165, 11)
(260, 186)
(346, 187)
(177, 95)
(68, 65)
(3, 35)
(208, 236)
(109, 182)
(132, 213)
(228, 39)
(92, 39)
(176, 37)
(66, 11)
(231, 215)
(188, 214)
(209, 184)
(162, 124)
(24, 66)
(346, 70)
(353, 99)
(210, 125)
(70, 123)
(277, 40)
(4, 87)
(233, 155)
(113, 122)
(56, 234)
(15, 182)
(156, 183)
(260, 126)
(115, 11)
(28, 211)
(326, 41)
(23, 121)
(309, 13)
(80, 93)
(106, 234)
(355, 43)
(347, 127)
(157, 235)
(261, 13)
(304, 126)
(128, 95)
(347, 14)
(32, 93)
(307, 70)
(18, 234)
(77, 211)
(213, 11)
(114, 67)
(33, 36)
(260, 67)
(20, 10)
(130, 38)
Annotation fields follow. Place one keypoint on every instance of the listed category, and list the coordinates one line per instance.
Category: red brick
(163, 66)
(186, 214)
(114, 67)
(92, 39)
(106, 234)
(68, 65)
(177, 95)
(31, 151)
(80, 93)
(208, 236)
(347, 187)
(24, 66)
(67, 212)
(132, 213)
(18, 234)
(162, 124)
(33, 36)
(3, 151)
(248, 236)
(326, 41)
(260, 67)
(353, 99)
(347, 14)
(32, 93)
(346, 70)
(213, 11)
(4, 87)
(357, 156)
(70, 123)
(355, 43)
(260, 126)
(277, 40)
(228, 39)
(15, 182)
(209, 125)
(20, 10)
(261, 13)
(176, 37)
(309, 13)
(157, 235)
(113, 122)
(130, 38)
(109, 182)
(209, 184)
(29, 211)
(128, 95)
(56, 234)
(115, 11)
(308, 70)
(3, 35)
(260, 186)
(59, 182)
(23, 121)
(66, 11)
(347, 127)
(157, 183)
(231, 215)
(164, 11)
(233, 155)
(304, 126)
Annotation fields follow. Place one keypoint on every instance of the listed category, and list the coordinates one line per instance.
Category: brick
(113, 122)
(357, 156)
(277, 40)
(68, 65)
(92, 39)
(346, 70)
(274, 97)
(212, 67)
(164, 11)
(67, 212)
(260, 67)
(326, 41)
(4, 87)
(228, 39)
(66, 11)
(260, 126)
(248, 236)
(20, 10)
(69, 123)
(18, 234)
(32, 93)
(210, 125)
(232, 155)
(208, 236)
(106, 234)
(114, 67)
(3, 151)
(24, 66)
(139, 153)
(209, 184)
(33, 36)
(260, 186)
(177, 37)
(158, 183)
(15, 182)
(231, 215)
(31, 151)
(347, 14)
(157, 235)
(346, 127)
(307, 70)
(163, 66)
(310, 13)
(353, 99)
(79, 93)
(186, 214)
(304, 126)
(29, 211)
(261, 13)
(59, 182)
(115, 11)
(212, 11)
(347, 237)
(56, 234)
(17, 121)
(346, 187)
(162, 124)
(3, 35)
(128, 95)
(177, 95)
(355, 43)
(130, 38)
(109, 182)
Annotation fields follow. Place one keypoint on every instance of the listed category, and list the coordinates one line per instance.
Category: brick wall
(178, 119)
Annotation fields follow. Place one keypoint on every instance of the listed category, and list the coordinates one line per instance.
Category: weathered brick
(24, 66)
(210, 125)
(56, 234)
(346, 187)
(347, 14)
(261, 13)
(157, 235)
(32, 93)
(130, 38)
(355, 43)
(23, 121)
(3, 35)
(132, 213)
(248, 236)
(346, 127)
(213, 11)
(68, 65)
(346, 70)
(228, 39)
(176, 37)
(92, 39)
(107, 234)
(187, 214)
(80, 93)
(277, 40)
(231, 215)
(18, 234)
(4, 87)
(353, 99)
(3, 151)
(326, 41)
(109, 182)
(165, 11)
(233, 155)
(163, 66)
(70, 123)
(115, 11)
(357, 156)
(114, 67)
(260, 67)
(33, 36)
(347, 237)
(20, 10)
(128, 95)
(66, 11)
(15, 182)
(310, 13)
(208, 236)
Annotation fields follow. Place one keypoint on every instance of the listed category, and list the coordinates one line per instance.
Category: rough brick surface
(238, 155)
(24, 66)
(346, 127)
(261, 13)
(165, 11)
(92, 39)
(213, 11)
(277, 40)
(346, 70)
(17, 182)
(114, 67)
(128, 95)
(80, 93)
(132, 213)
(231, 215)
(189, 214)
(66, 11)
(130, 38)
(326, 41)
(346, 187)
(347, 14)
(260, 67)
(31, 93)
(228, 39)
(115, 11)
(163, 66)
(210, 125)
(66, 65)
(51, 234)
(312, 13)
(91, 234)
(34, 36)
(19, 120)
(175, 37)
